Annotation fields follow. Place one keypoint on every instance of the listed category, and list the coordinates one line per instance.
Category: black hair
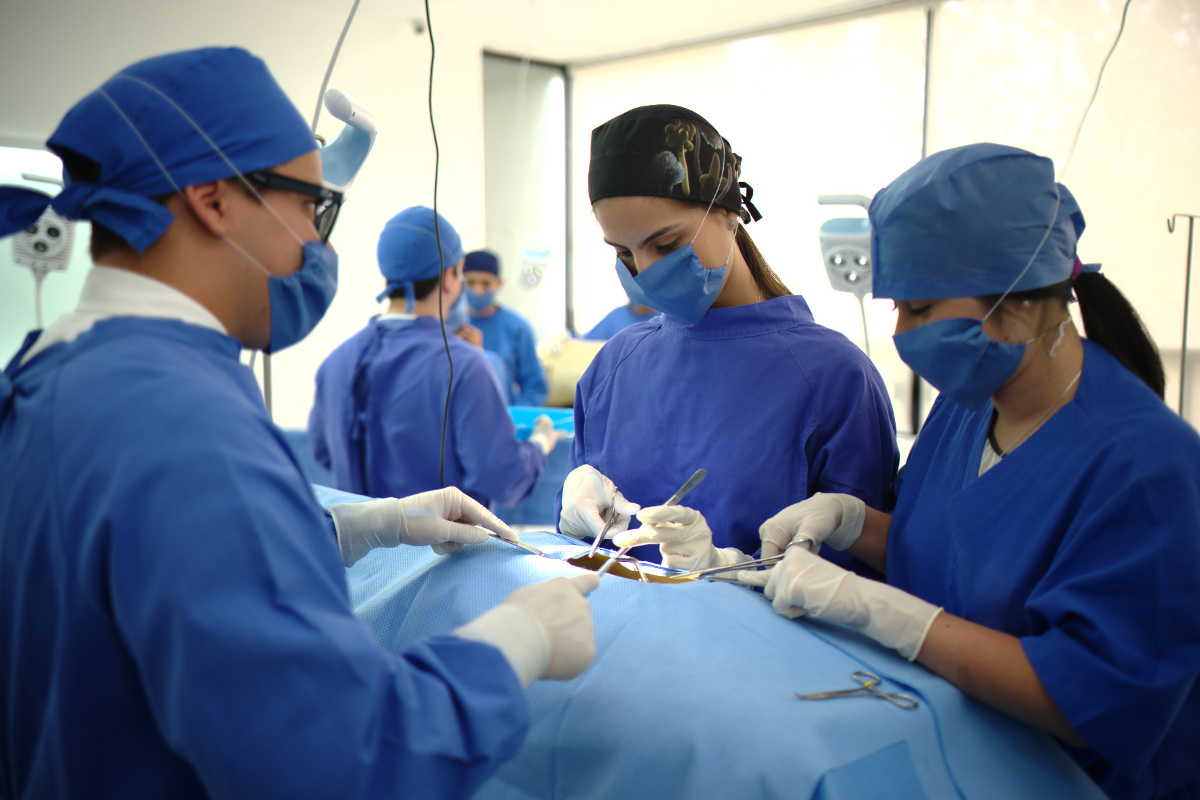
(421, 290)
(1109, 320)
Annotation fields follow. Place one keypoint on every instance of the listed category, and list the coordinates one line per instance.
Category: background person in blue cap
(174, 619)
(505, 332)
(619, 319)
(376, 419)
(1044, 552)
(734, 376)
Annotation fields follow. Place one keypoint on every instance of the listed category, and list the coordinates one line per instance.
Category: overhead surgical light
(344, 156)
(44, 246)
(846, 252)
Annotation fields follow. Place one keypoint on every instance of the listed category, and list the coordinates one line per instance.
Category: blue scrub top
(774, 406)
(376, 419)
(617, 320)
(174, 618)
(510, 336)
(1085, 543)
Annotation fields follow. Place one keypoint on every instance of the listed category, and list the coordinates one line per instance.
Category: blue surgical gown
(376, 419)
(774, 406)
(1085, 543)
(510, 336)
(617, 320)
(174, 618)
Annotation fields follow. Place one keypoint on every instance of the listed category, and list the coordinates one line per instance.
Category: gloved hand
(836, 519)
(544, 435)
(806, 583)
(683, 538)
(445, 518)
(544, 630)
(587, 500)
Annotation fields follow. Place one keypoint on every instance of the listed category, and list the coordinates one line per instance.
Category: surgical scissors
(869, 688)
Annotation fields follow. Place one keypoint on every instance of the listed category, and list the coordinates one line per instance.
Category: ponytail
(760, 270)
(1111, 322)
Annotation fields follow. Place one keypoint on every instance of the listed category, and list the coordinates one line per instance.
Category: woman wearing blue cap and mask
(174, 618)
(376, 419)
(734, 376)
(1044, 553)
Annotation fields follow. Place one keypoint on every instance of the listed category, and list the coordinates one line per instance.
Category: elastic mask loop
(1037, 250)
(216, 149)
(716, 191)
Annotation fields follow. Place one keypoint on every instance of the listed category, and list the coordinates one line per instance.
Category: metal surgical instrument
(758, 562)
(869, 688)
(516, 543)
(697, 476)
(612, 518)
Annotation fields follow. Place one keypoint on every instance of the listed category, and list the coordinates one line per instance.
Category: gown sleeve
(493, 462)
(530, 376)
(228, 593)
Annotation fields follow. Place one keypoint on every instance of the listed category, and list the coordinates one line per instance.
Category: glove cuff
(543, 441)
(890, 616)
(517, 635)
(854, 514)
(361, 527)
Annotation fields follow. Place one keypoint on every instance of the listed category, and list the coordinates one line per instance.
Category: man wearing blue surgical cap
(376, 420)
(174, 620)
(1044, 553)
(505, 332)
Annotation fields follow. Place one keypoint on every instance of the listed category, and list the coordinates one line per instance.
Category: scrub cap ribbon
(160, 124)
(667, 151)
(1081, 268)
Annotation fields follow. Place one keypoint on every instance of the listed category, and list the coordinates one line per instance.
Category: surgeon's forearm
(992, 666)
(871, 545)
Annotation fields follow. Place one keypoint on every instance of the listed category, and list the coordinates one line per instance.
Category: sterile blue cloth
(376, 419)
(1084, 542)
(255, 127)
(617, 320)
(658, 715)
(772, 405)
(539, 506)
(965, 222)
(509, 335)
(174, 617)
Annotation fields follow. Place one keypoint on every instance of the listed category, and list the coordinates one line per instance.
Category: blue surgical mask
(959, 359)
(480, 300)
(676, 284)
(299, 300)
(457, 315)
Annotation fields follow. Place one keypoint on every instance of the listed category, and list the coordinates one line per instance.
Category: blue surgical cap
(202, 115)
(408, 249)
(482, 261)
(965, 222)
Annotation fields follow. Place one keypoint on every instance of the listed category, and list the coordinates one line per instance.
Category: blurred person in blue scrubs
(376, 419)
(1044, 550)
(619, 319)
(734, 376)
(174, 618)
(505, 332)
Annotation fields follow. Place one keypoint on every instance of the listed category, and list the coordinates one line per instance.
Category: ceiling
(578, 32)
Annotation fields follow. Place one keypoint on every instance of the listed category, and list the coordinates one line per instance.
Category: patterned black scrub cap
(667, 151)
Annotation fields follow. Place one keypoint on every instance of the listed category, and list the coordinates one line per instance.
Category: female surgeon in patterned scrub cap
(733, 377)
(1044, 552)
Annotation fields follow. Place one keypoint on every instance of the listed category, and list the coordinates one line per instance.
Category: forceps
(612, 518)
(869, 688)
(697, 476)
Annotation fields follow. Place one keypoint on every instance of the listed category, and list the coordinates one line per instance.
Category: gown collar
(755, 319)
(114, 292)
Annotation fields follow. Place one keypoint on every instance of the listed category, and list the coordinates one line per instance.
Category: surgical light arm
(342, 158)
(846, 251)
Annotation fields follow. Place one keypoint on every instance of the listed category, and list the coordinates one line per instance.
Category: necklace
(1031, 428)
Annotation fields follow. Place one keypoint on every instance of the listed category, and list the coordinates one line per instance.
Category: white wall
(837, 108)
(55, 51)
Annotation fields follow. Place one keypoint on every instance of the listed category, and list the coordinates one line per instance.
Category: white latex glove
(835, 519)
(543, 630)
(806, 583)
(445, 518)
(683, 538)
(544, 435)
(587, 500)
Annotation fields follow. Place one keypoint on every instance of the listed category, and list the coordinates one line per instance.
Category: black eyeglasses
(329, 201)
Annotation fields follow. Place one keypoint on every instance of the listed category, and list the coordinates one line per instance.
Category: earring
(732, 223)
(1025, 304)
